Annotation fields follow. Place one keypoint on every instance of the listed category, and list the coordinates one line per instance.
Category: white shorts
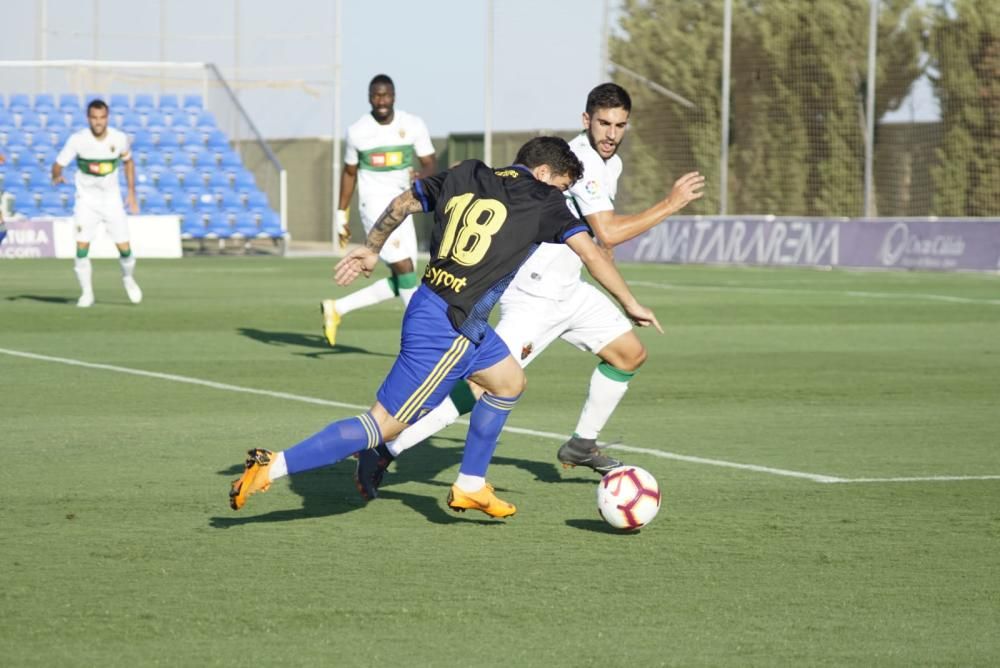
(586, 319)
(89, 212)
(401, 244)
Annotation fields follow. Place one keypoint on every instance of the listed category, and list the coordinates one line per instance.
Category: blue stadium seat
(69, 102)
(192, 151)
(230, 159)
(43, 154)
(90, 97)
(53, 200)
(120, 101)
(203, 200)
(246, 225)
(143, 139)
(217, 140)
(150, 198)
(45, 100)
(18, 103)
(205, 119)
(143, 101)
(9, 134)
(218, 181)
(167, 180)
(29, 118)
(15, 152)
(256, 200)
(244, 180)
(181, 170)
(35, 178)
(230, 199)
(6, 118)
(270, 225)
(181, 134)
(219, 227)
(177, 200)
(155, 119)
(168, 139)
(192, 226)
(169, 101)
(192, 102)
(205, 160)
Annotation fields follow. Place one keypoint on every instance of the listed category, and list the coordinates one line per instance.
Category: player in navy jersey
(486, 223)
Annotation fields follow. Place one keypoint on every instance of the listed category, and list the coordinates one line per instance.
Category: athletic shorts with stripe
(433, 357)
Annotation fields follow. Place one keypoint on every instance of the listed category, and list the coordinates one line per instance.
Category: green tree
(796, 139)
(965, 47)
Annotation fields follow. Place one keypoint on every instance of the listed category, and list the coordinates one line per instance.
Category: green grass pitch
(805, 402)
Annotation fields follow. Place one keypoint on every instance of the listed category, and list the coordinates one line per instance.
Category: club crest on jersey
(402, 133)
(592, 187)
(526, 350)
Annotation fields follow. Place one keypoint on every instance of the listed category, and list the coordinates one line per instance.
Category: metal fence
(824, 108)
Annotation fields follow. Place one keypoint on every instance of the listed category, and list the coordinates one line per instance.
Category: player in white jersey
(99, 151)
(381, 147)
(548, 300)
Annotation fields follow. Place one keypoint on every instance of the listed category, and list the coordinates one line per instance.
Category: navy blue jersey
(486, 223)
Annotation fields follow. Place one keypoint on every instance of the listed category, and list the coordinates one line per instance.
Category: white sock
(128, 265)
(425, 427)
(278, 467)
(406, 294)
(601, 402)
(470, 483)
(81, 266)
(379, 291)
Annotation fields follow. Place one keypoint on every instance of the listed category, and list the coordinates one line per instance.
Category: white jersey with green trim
(385, 156)
(97, 161)
(553, 271)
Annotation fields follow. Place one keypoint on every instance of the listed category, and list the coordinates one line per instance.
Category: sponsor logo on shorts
(438, 277)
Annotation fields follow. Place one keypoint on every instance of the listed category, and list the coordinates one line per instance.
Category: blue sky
(547, 54)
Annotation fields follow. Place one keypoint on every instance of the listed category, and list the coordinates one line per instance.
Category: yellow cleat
(331, 320)
(484, 500)
(254, 479)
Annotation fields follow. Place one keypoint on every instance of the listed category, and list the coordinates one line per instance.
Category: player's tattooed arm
(399, 208)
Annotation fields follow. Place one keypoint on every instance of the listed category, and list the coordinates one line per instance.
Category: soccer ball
(628, 497)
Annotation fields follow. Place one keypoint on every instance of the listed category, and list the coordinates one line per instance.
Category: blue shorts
(433, 357)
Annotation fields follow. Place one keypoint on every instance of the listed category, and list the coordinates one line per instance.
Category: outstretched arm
(612, 229)
(607, 274)
(363, 260)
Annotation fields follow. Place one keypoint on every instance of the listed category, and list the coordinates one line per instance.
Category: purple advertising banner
(28, 239)
(905, 243)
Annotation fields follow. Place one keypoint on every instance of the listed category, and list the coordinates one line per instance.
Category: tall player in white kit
(548, 299)
(381, 147)
(99, 151)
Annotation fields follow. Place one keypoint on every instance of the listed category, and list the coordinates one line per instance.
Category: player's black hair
(381, 79)
(551, 151)
(608, 96)
(97, 104)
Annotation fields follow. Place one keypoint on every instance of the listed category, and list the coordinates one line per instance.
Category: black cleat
(584, 452)
(370, 470)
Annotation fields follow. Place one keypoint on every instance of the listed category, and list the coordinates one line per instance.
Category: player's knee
(636, 358)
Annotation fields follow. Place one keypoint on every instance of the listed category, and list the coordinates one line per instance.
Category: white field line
(815, 477)
(844, 293)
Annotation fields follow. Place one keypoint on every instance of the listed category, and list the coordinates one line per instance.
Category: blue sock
(338, 440)
(487, 420)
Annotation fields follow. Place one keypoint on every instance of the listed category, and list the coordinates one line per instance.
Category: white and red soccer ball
(628, 497)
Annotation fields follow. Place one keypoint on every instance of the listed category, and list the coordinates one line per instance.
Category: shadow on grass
(62, 301)
(305, 341)
(330, 490)
(599, 526)
(323, 495)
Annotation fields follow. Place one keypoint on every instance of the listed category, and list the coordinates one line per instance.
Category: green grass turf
(119, 549)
